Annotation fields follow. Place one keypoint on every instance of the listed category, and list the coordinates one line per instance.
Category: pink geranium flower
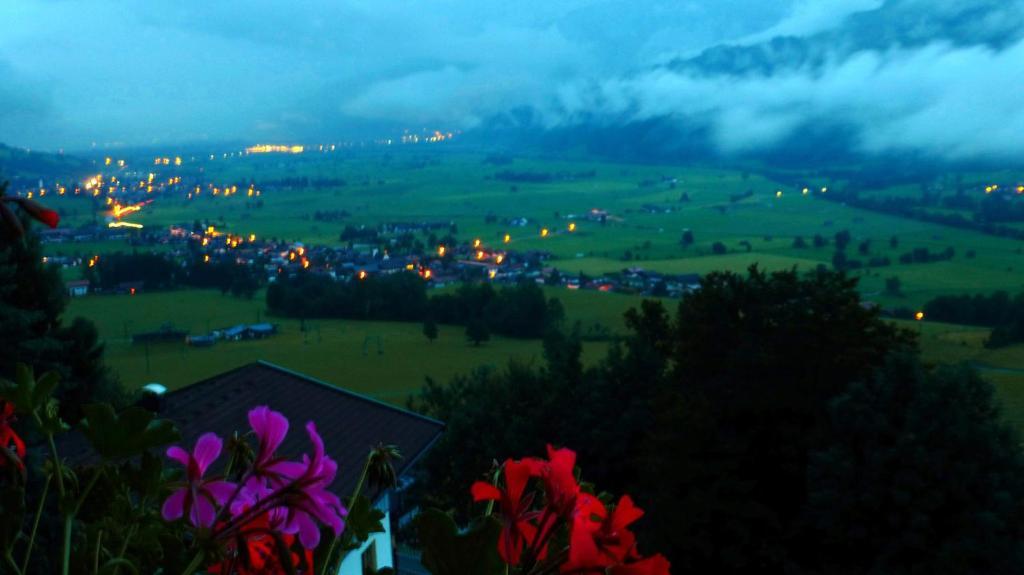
(306, 499)
(270, 428)
(198, 498)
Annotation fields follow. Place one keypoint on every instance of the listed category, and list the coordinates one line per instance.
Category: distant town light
(572, 227)
(508, 238)
(361, 275)
(778, 193)
(441, 251)
(919, 316)
(544, 233)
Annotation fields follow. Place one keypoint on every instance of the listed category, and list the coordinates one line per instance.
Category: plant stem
(66, 562)
(351, 502)
(10, 561)
(191, 568)
(96, 555)
(35, 524)
(58, 469)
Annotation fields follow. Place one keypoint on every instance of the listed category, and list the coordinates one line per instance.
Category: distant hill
(23, 167)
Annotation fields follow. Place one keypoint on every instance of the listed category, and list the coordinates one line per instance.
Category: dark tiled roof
(349, 423)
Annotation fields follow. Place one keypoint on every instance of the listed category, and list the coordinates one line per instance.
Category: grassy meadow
(457, 186)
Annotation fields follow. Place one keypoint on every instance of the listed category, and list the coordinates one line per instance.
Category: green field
(457, 186)
(404, 185)
(386, 360)
(391, 360)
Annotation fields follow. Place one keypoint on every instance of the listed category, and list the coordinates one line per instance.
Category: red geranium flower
(518, 529)
(9, 440)
(603, 541)
(254, 551)
(559, 480)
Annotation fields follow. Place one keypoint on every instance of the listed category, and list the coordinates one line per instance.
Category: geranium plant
(538, 519)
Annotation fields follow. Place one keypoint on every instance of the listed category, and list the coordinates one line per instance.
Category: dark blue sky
(932, 76)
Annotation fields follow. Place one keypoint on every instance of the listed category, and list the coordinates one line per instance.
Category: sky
(940, 78)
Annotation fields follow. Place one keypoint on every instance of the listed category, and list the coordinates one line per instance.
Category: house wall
(353, 562)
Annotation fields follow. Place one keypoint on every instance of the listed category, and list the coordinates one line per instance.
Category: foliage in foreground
(774, 424)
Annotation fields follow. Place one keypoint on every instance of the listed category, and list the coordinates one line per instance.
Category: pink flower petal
(178, 454)
(207, 450)
(220, 491)
(309, 533)
(174, 506)
(203, 512)
(270, 427)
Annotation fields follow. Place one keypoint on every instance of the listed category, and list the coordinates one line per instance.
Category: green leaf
(112, 566)
(28, 394)
(362, 520)
(448, 552)
(132, 432)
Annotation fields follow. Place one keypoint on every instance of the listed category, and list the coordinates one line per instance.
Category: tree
(687, 239)
(842, 239)
(430, 329)
(819, 241)
(799, 242)
(718, 248)
(32, 303)
(477, 331)
(929, 453)
(864, 247)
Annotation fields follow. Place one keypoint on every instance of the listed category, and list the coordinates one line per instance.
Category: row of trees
(520, 310)
(999, 310)
(159, 272)
(772, 424)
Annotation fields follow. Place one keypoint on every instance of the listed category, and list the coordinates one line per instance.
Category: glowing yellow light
(206, 258)
(507, 238)
(427, 274)
(499, 258)
(165, 161)
(778, 193)
(362, 275)
(120, 163)
(211, 230)
(480, 254)
(177, 160)
(491, 273)
(206, 241)
(805, 191)
(919, 315)
(305, 263)
(572, 227)
(1020, 189)
(476, 243)
(252, 238)
(301, 250)
(106, 161)
(124, 225)
(824, 190)
(291, 256)
(544, 233)
(110, 200)
(441, 251)
(274, 148)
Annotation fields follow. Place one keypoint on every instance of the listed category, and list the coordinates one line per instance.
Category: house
(77, 288)
(349, 423)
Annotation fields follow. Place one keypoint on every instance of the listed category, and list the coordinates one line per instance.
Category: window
(370, 559)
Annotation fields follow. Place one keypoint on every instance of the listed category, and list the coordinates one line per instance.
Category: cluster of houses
(234, 333)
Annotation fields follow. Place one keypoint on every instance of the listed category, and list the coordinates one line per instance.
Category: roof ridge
(342, 390)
